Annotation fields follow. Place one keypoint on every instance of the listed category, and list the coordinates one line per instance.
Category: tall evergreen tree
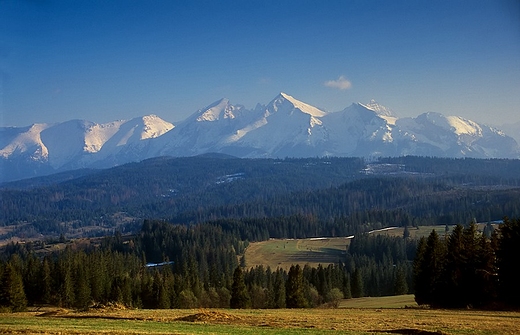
(239, 294)
(46, 282)
(294, 289)
(450, 293)
(12, 294)
(357, 285)
(428, 269)
(400, 284)
(279, 289)
(508, 251)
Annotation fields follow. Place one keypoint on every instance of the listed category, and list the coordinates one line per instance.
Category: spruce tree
(450, 293)
(357, 286)
(400, 285)
(428, 268)
(508, 251)
(294, 289)
(12, 293)
(46, 282)
(239, 294)
(279, 289)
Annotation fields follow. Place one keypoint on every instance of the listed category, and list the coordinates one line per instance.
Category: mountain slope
(285, 127)
(46, 148)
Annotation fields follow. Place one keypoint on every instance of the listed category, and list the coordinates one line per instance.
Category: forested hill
(335, 192)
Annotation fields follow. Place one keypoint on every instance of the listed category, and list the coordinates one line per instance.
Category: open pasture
(352, 321)
(282, 253)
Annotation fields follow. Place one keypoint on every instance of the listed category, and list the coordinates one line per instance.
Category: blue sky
(108, 60)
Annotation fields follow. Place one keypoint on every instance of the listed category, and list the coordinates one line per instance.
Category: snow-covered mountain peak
(284, 98)
(285, 127)
(455, 124)
(463, 126)
(24, 140)
(379, 109)
(154, 126)
(218, 110)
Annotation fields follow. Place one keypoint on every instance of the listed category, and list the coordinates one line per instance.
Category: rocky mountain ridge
(285, 127)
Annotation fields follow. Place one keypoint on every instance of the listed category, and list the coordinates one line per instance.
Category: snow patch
(302, 106)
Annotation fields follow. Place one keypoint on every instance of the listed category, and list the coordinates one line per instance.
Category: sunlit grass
(358, 317)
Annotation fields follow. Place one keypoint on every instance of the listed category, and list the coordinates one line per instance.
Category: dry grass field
(301, 321)
(282, 253)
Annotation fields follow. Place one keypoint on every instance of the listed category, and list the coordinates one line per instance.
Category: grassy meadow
(385, 315)
(282, 253)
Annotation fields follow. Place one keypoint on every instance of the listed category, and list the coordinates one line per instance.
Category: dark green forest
(350, 194)
(179, 266)
(171, 232)
(469, 269)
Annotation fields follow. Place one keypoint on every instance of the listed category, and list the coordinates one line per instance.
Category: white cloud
(341, 83)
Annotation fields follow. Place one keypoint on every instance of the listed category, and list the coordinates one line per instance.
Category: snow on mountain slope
(127, 141)
(205, 130)
(453, 136)
(75, 143)
(66, 141)
(285, 127)
(221, 109)
(382, 111)
(357, 129)
(24, 141)
(284, 98)
(266, 131)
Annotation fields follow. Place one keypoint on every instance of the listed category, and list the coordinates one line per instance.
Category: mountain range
(285, 127)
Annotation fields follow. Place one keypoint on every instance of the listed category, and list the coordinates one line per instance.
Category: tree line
(192, 190)
(179, 266)
(469, 269)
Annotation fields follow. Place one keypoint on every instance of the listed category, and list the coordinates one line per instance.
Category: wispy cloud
(341, 83)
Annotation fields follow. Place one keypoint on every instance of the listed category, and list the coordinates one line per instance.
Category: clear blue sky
(108, 60)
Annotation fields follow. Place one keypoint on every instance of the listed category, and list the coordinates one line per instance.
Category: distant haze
(111, 60)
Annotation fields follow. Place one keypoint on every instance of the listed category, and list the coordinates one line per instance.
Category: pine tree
(294, 288)
(400, 285)
(46, 282)
(82, 288)
(428, 268)
(508, 251)
(450, 293)
(12, 293)
(279, 289)
(239, 294)
(357, 286)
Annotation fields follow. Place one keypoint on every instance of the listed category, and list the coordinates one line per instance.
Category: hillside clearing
(282, 253)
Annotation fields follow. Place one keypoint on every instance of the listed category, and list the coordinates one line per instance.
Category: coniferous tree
(508, 251)
(32, 279)
(450, 293)
(12, 294)
(279, 290)
(357, 286)
(428, 269)
(347, 289)
(46, 282)
(400, 284)
(239, 294)
(82, 288)
(294, 289)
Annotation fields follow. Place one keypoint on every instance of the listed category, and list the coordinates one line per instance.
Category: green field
(355, 316)
(282, 253)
